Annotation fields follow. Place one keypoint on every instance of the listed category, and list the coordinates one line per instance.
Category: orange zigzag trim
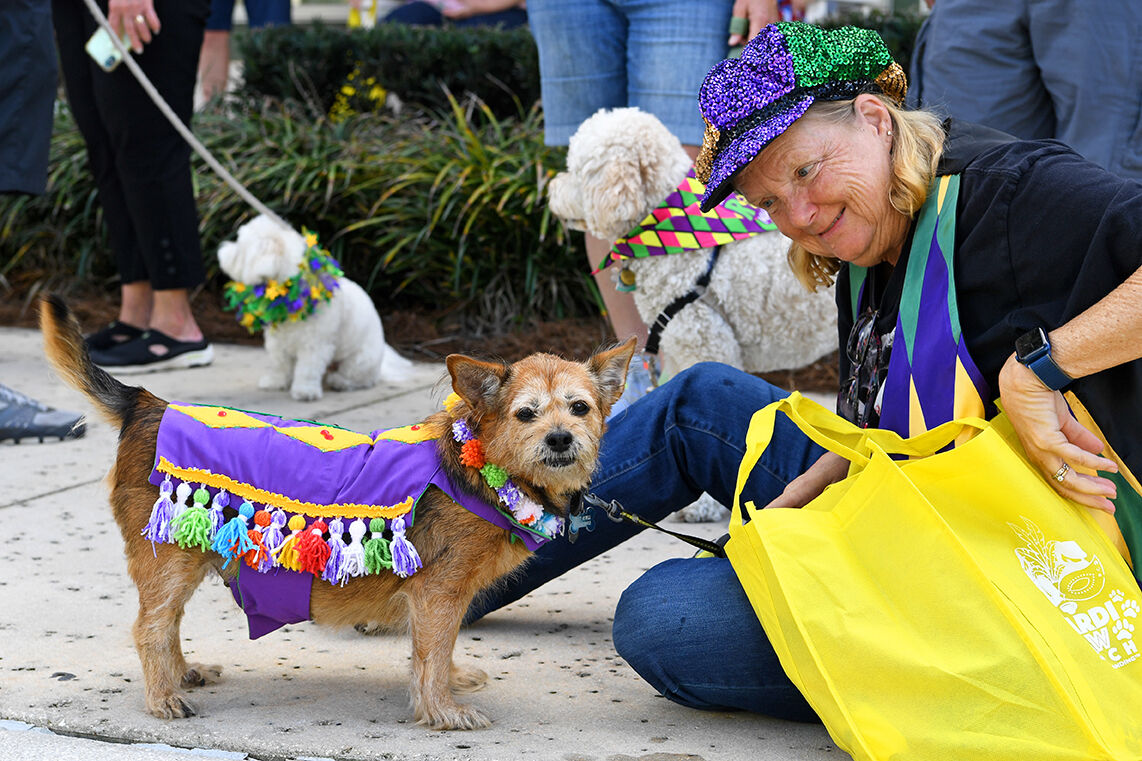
(254, 494)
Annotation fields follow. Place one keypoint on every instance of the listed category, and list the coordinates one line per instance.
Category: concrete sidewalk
(557, 688)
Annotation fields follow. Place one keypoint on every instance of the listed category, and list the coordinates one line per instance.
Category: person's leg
(687, 628)
(671, 47)
(582, 67)
(214, 57)
(28, 85)
(417, 13)
(660, 454)
(582, 62)
(510, 18)
(152, 162)
(73, 26)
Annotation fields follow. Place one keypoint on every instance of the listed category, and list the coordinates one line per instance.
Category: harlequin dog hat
(748, 101)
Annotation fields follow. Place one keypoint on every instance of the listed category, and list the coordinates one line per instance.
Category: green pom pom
(193, 528)
(494, 475)
(378, 555)
(201, 496)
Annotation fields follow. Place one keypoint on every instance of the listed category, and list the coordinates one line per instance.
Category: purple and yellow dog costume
(315, 484)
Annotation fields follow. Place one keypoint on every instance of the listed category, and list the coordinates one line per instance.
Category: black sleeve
(1048, 234)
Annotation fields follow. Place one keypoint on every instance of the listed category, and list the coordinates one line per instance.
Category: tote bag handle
(840, 436)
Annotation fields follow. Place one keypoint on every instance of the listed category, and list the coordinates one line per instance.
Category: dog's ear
(228, 255)
(610, 370)
(476, 382)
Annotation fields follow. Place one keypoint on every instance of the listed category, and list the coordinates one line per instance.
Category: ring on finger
(140, 20)
(739, 25)
(1061, 473)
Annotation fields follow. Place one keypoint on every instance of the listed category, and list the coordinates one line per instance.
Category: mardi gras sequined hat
(748, 101)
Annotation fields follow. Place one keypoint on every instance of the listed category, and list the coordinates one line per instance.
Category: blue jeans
(650, 54)
(685, 437)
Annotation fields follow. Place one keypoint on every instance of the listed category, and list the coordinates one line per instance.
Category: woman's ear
(870, 111)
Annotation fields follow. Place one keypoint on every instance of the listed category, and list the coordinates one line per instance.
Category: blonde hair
(916, 148)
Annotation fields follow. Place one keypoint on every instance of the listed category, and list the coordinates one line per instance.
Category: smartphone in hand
(103, 51)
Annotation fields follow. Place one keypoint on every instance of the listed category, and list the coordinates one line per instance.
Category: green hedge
(419, 64)
(447, 211)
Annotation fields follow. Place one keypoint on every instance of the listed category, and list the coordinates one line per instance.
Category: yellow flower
(314, 292)
(377, 93)
(273, 290)
(311, 239)
(247, 320)
(238, 287)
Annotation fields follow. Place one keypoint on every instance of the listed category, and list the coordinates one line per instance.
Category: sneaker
(111, 336)
(22, 417)
(153, 351)
(642, 378)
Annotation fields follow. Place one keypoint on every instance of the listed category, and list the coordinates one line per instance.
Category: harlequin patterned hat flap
(748, 101)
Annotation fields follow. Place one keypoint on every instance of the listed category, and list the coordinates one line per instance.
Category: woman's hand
(1051, 437)
(136, 19)
(758, 13)
(828, 469)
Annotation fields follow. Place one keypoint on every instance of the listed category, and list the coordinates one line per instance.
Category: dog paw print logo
(1129, 608)
(1122, 629)
(1061, 569)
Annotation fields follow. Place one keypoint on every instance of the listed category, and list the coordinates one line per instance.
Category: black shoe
(22, 417)
(114, 334)
(154, 351)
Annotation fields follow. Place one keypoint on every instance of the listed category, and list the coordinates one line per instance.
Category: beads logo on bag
(1075, 583)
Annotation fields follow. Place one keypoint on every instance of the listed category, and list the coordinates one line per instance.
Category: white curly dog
(754, 314)
(342, 343)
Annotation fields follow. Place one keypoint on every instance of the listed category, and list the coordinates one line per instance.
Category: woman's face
(826, 186)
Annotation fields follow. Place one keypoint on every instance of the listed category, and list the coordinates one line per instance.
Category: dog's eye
(524, 415)
(580, 409)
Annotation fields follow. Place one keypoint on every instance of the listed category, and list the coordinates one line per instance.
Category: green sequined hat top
(748, 101)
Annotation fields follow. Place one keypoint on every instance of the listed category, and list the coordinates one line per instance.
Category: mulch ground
(419, 335)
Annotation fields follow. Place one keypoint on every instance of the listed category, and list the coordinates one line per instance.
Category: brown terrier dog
(540, 419)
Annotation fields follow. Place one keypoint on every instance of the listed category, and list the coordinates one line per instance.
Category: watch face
(1029, 344)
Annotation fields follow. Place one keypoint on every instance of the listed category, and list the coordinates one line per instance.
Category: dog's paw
(273, 382)
(467, 679)
(173, 706)
(305, 393)
(369, 628)
(199, 674)
(452, 716)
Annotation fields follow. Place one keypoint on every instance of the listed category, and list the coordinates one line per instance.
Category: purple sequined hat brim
(745, 148)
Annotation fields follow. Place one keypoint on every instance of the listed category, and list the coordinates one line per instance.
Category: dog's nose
(558, 441)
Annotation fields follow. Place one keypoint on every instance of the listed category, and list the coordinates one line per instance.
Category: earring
(890, 133)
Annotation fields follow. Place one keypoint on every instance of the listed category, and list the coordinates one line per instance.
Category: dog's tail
(65, 349)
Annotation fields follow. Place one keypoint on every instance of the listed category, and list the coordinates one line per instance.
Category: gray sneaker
(642, 378)
(22, 417)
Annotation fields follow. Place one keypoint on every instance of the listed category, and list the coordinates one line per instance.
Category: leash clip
(613, 509)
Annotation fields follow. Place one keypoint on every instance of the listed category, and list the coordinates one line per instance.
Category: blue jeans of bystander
(660, 454)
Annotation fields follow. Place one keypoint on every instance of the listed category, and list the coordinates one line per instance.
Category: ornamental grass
(430, 210)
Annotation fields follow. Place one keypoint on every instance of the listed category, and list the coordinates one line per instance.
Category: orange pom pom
(472, 454)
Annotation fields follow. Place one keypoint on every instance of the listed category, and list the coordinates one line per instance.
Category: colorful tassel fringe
(268, 538)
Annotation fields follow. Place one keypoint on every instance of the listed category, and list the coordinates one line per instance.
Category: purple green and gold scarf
(677, 225)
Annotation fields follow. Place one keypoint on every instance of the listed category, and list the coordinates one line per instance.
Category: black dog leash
(616, 513)
(674, 307)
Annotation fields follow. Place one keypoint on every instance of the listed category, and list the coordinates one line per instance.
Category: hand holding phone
(103, 51)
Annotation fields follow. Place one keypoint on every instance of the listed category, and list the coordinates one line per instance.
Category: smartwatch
(1034, 350)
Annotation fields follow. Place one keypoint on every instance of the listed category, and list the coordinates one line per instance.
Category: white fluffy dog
(754, 315)
(342, 342)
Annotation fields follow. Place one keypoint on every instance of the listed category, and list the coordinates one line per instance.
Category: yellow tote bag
(949, 607)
